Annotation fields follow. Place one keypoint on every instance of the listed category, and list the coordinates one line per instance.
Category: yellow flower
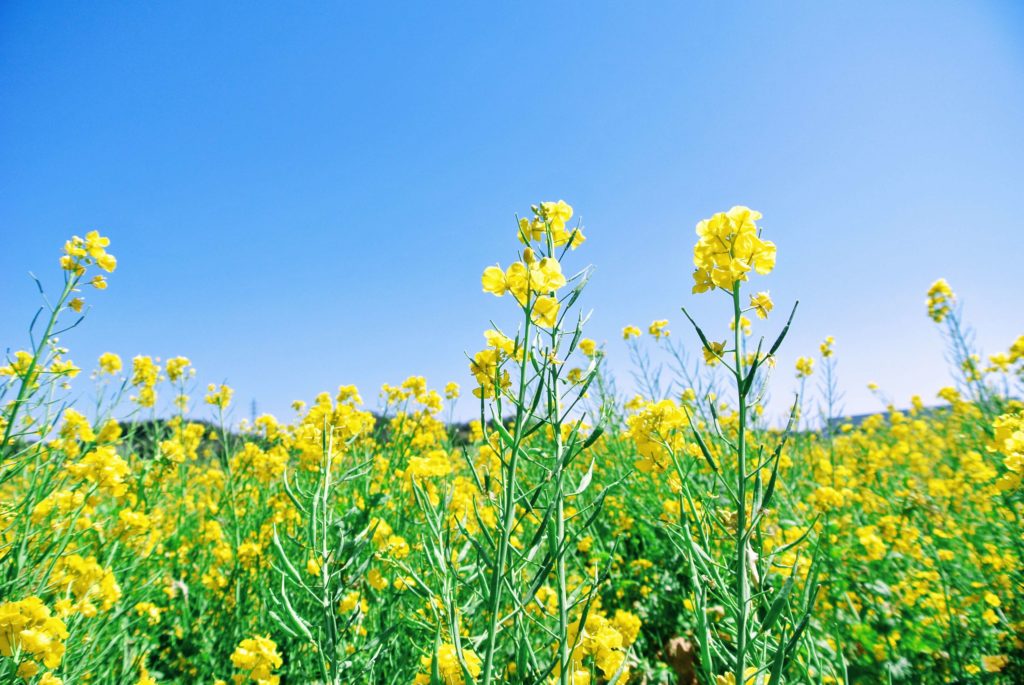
(749, 676)
(713, 355)
(545, 311)
(61, 367)
(553, 217)
(145, 678)
(219, 396)
(144, 371)
(449, 666)
(557, 214)
(349, 602)
(517, 281)
(745, 325)
(940, 300)
(804, 367)
(86, 580)
(19, 367)
(376, 580)
(107, 262)
(827, 347)
(81, 252)
(729, 246)
(150, 611)
(762, 304)
(95, 244)
(994, 663)
(630, 332)
(499, 341)
(258, 658)
(494, 281)
(27, 626)
(546, 275)
(659, 328)
(110, 363)
(104, 467)
(1009, 440)
(249, 554)
(176, 367)
(485, 368)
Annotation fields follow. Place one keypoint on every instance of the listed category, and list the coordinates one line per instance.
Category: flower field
(571, 534)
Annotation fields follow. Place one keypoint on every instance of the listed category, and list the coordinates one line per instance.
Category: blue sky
(303, 195)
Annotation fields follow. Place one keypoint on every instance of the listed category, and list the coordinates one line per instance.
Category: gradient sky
(302, 195)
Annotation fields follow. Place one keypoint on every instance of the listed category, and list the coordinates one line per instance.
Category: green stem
(742, 589)
(508, 520)
(26, 381)
(563, 602)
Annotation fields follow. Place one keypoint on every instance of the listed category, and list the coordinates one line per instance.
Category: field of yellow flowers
(569, 535)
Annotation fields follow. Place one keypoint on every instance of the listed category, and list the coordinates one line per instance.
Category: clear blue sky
(303, 195)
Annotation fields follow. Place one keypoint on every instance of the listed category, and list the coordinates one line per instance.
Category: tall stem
(564, 672)
(742, 589)
(26, 381)
(509, 513)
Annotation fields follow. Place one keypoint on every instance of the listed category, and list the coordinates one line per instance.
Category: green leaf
(779, 603)
(785, 330)
(592, 438)
(584, 482)
(700, 333)
(701, 444)
(778, 661)
(299, 622)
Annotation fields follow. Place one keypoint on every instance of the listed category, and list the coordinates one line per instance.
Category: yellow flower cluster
(657, 430)
(630, 332)
(729, 246)
(28, 628)
(448, 666)
(659, 329)
(266, 465)
(605, 641)
(804, 367)
(219, 396)
(110, 363)
(84, 580)
(541, 277)
(1009, 441)
(588, 347)
(145, 376)
(176, 368)
(19, 366)
(434, 464)
(258, 658)
(1011, 361)
(550, 218)
(827, 347)
(103, 467)
(79, 253)
(486, 364)
(940, 300)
